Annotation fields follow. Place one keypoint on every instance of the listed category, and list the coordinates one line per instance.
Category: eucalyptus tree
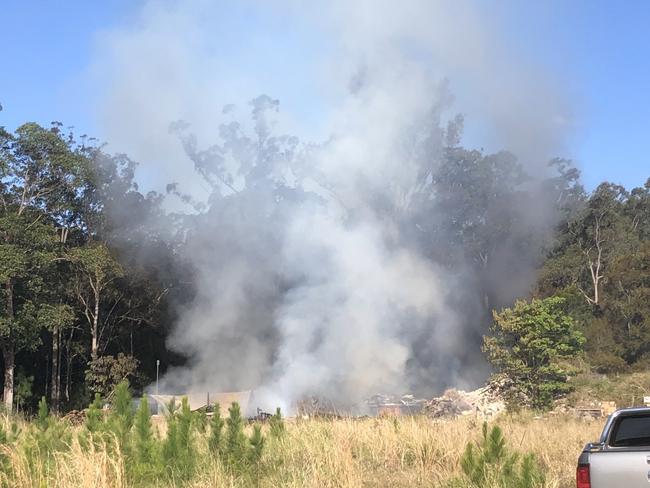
(39, 174)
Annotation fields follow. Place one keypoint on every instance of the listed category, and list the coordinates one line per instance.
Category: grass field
(413, 451)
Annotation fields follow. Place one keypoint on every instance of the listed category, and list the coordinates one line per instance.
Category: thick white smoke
(344, 328)
(326, 294)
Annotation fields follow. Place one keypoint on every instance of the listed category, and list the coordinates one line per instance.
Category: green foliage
(200, 420)
(241, 455)
(144, 441)
(257, 442)
(60, 265)
(276, 424)
(95, 269)
(8, 441)
(528, 349)
(23, 392)
(38, 173)
(57, 253)
(216, 431)
(235, 452)
(47, 435)
(185, 433)
(179, 450)
(170, 445)
(106, 372)
(599, 263)
(96, 263)
(8, 437)
(256, 445)
(145, 462)
(172, 407)
(123, 404)
(94, 415)
(56, 315)
(121, 416)
(626, 390)
(43, 418)
(489, 462)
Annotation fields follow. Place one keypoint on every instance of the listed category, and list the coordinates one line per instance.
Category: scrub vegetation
(122, 447)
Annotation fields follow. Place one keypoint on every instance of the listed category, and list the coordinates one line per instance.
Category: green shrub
(144, 439)
(185, 434)
(490, 463)
(7, 438)
(121, 417)
(256, 445)
(255, 454)
(235, 451)
(179, 451)
(241, 455)
(276, 424)
(94, 416)
(200, 420)
(216, 432)
(51, 434)
(43, 416)
(530, 347)
(46, 436)
(144, 463)
(170, 445)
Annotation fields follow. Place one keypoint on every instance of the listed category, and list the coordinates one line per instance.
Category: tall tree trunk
(55, 389)
(94, 346)
(68, 370)
(8, 352)
(595, 264)
(9, 364)
(68, 365)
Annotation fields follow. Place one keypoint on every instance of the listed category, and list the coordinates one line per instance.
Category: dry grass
(345, 453)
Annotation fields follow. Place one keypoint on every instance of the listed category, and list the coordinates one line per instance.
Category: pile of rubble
(395, 405)
(585, 410)
(482, 402)
(75, 417)
(319, 407)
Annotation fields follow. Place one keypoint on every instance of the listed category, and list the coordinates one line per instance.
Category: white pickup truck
(621, 458)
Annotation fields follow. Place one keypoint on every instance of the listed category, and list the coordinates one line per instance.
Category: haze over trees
(93, 272)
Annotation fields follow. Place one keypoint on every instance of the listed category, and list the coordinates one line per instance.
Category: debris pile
(585, 410)
(75, 417)
(260, 416)
(317, 407)
(382, 405)
(482, 402)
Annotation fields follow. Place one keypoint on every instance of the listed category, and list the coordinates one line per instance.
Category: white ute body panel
(621, 458)
(611, 469)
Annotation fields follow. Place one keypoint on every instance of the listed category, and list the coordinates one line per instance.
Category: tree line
(600, 265)
(76, 300)
(91, 273)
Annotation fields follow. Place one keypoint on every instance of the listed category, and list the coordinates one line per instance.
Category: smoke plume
(318, 235)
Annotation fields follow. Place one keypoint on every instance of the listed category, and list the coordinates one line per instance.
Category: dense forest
(80, 302)
(92, 270)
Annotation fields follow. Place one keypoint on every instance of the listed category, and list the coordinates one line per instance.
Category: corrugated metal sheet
(158, 403)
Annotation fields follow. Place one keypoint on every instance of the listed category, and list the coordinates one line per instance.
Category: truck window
(631, 432)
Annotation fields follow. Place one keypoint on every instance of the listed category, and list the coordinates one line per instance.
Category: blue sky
(47, 47)
(599, 51)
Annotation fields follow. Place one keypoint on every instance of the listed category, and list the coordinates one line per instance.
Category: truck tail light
(583, 480)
